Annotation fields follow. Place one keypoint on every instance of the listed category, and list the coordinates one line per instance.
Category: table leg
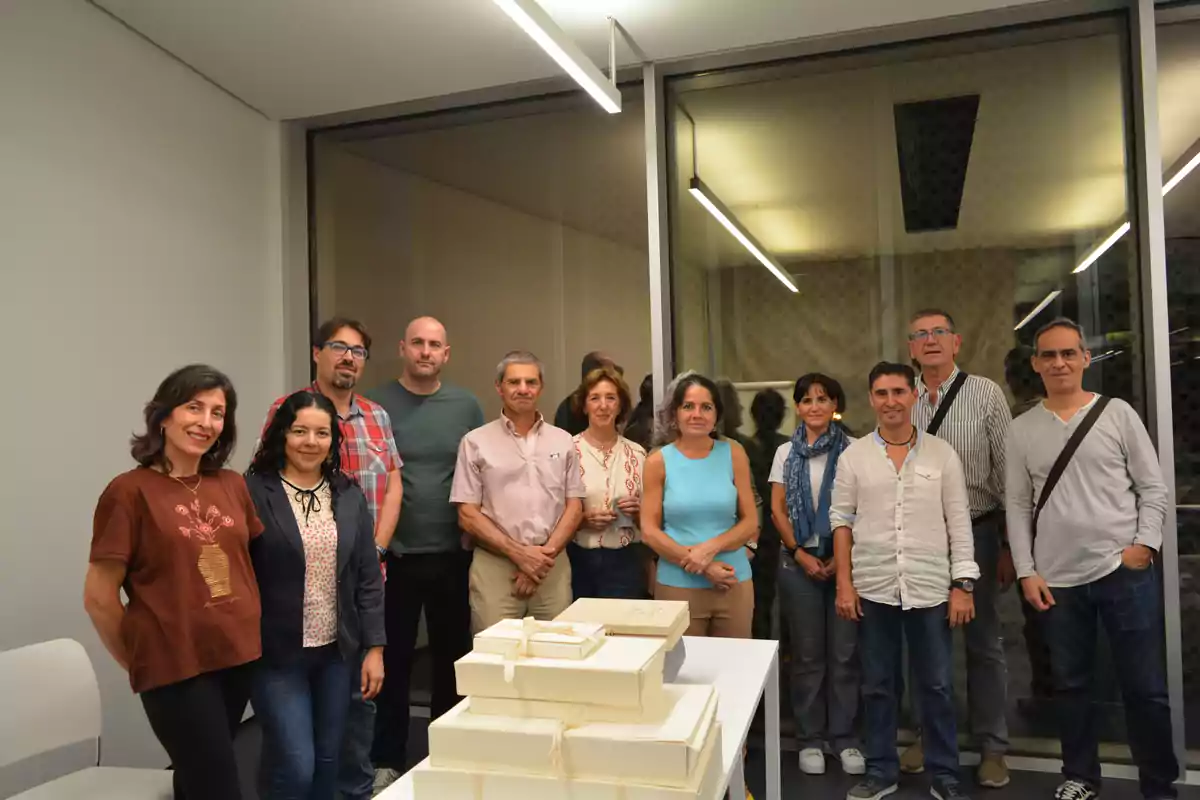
(737, 781)
(771, 744)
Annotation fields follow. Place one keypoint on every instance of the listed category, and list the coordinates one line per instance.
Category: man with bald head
(427, 566)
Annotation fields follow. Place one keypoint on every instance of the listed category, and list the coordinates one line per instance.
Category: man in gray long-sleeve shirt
(1093, 557)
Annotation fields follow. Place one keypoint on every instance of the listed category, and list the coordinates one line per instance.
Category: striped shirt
(976, 426)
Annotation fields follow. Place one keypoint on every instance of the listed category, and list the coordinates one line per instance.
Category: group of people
(301, 585)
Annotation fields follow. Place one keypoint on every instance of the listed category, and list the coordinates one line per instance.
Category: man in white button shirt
(905, 561)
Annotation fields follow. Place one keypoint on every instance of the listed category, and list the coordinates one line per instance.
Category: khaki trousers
(726, 614)
(492, 598)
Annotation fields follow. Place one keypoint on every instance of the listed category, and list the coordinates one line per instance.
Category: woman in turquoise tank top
(698, 514)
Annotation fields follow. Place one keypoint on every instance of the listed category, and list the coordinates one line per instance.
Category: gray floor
(831, 786)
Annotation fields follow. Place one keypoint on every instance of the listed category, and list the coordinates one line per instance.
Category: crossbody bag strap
(944, 408)
(1064, 458)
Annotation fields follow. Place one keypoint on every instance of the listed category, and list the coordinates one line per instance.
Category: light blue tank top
(700, 502)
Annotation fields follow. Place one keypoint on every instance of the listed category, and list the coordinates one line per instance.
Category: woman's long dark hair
(271, 457)
(177, 389)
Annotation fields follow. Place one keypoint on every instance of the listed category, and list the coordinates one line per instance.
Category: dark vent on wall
(933, 140)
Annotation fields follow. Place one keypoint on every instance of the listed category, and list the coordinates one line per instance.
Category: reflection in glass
(985, 175)
(1179, 128)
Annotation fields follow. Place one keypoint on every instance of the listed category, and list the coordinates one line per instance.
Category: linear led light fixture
(542, 29)
(1123, 228)
(1038, 309)
(724, 216)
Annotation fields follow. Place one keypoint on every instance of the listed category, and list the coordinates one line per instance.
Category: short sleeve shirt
(368, 446)
(193, 600)
(522, 483)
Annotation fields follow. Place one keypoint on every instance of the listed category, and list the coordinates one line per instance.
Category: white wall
(140, 229)
(392, 246)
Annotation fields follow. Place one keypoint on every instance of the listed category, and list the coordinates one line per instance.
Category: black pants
(195, 721)
(765, 568)
(436, 582)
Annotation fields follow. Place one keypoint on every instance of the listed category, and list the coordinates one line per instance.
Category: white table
(743, 671)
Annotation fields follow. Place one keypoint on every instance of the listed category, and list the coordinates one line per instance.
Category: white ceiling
(302, 58)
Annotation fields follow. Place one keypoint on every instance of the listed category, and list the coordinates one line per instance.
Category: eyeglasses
(341, 348)
(921, 336)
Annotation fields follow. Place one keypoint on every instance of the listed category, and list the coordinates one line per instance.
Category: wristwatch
(381, 551)
(753, 546)
(966, 584)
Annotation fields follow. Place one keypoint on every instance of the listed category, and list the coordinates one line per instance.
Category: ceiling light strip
(1123, 229)
(543, 30)
(1183, 172)
(1102, 248)
(718, 209)
(1039, 308)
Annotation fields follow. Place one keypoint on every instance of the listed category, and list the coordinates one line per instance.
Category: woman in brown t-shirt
(174, 533)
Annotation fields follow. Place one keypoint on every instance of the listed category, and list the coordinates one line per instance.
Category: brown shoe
(993, 771)
(912, 760)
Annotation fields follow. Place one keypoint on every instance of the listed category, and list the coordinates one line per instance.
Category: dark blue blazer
(279, 565)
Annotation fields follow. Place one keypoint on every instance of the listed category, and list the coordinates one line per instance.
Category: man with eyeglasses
(971, 413)
(340, 350)
(1085, 524)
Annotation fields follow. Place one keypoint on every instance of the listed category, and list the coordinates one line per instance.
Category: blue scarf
(807, 521)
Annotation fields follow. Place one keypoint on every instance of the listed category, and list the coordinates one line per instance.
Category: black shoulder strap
(944, 408)
(1064, 458)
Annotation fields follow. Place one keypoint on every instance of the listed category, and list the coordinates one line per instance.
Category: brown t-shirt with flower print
(193, 600)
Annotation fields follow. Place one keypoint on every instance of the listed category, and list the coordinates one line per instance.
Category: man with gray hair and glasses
(971, 414)
(1086, 503)
(520, 494)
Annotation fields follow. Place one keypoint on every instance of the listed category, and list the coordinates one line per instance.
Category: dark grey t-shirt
(428, 429)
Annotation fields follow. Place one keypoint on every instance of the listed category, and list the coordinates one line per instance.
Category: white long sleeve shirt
(911, 528)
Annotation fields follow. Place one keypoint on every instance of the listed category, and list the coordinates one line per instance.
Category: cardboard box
(663, 752)
(624, 671)
(664, 618)
(439, 783)
(513, 638)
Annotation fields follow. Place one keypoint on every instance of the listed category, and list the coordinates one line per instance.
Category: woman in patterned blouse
(604, 559)
(322, 596)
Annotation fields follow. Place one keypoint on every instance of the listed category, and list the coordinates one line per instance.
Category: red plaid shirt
(368, 446)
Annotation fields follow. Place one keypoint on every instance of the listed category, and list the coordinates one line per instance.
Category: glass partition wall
(1178, 45)
(988, 175)
(813, 205)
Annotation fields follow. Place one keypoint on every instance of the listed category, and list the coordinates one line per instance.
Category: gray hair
(519, 357)
(1061, 322)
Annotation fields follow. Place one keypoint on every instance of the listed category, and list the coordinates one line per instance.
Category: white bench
(51, 707)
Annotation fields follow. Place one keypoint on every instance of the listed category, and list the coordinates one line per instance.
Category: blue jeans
(825, 675)
(356, 775)
(302, 707)
(607, 573)
(1128, 603)
(879, 640)
(987, 671)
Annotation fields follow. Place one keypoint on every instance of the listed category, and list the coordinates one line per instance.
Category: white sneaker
(853, 762)
(384, 777)
(812, 761)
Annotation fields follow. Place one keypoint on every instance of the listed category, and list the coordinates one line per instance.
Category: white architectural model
(576, 709)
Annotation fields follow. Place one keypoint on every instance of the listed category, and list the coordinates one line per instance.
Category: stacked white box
(555, 711)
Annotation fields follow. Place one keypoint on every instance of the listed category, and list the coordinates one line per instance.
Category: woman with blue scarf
(825, 679)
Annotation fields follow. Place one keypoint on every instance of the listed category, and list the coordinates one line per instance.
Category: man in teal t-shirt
(427, 565)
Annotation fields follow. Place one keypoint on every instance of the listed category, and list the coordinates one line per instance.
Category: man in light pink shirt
(520, 494)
